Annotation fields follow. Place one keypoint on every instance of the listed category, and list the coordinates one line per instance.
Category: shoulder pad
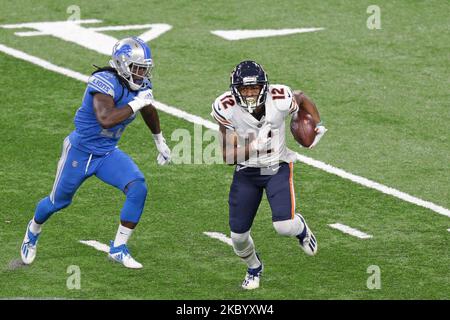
(222, 109)
(103, 82)
(281, 97)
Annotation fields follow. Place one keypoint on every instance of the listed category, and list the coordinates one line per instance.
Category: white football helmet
(132, 59)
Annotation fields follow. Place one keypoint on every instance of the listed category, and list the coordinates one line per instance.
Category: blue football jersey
(89, 136)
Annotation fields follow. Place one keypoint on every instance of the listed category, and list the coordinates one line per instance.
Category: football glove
(320, 131)
(143, 98)
(163, 149)
(262, 141)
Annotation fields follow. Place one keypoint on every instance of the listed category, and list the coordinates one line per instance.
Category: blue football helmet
(132, 59)
(249, 73)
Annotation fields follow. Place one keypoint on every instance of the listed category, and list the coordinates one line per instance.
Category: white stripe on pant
(61, 163)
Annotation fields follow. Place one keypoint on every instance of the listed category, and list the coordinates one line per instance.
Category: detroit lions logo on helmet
(132, 59)
(125, 49)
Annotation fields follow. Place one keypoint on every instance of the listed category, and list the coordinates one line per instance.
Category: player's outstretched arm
(106, 112)
(151, 119)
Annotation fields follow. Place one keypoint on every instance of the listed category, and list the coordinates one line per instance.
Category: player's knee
(286, 227)
(242, 244)
(136, 190)
(60, 204)
(239, 238)
(45, 208)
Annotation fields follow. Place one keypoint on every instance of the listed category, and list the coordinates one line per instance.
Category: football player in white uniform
(251, 118)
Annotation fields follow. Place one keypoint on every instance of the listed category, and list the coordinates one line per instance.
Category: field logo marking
(213, 126)
(219, 236)
(90, 38)
(75, 13)
(74, 280)
(374, 280)
(374, 21)
(351, 231)
(263, 33)
(96, 245)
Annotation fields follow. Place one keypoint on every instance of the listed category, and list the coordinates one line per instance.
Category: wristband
(158, 137)
(136, 104)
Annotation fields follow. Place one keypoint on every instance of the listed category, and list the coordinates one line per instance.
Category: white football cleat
(122, 255)
(252, 277)
(29, 246)
(307, 239)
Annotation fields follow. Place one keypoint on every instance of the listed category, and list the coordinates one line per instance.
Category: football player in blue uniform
(253, 107)
(113, 97)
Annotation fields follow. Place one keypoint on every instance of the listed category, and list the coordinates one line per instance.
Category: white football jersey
(279, 104)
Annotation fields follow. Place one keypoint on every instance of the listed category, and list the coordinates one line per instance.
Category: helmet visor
(250, 94)
(141, 71)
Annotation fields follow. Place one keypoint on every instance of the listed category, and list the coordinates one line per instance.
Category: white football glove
(320, 131)
(163, 149)
(143, 98)
(262, 141)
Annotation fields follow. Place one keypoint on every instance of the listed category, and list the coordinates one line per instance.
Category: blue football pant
(115, 168)
(246, 193)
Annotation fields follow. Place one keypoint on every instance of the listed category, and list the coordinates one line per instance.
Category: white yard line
(43, 63)
(95, 244)
(262, 33)
(105, 248)
(213, 126)
(351, 231)
(373, 185)
(219, 236)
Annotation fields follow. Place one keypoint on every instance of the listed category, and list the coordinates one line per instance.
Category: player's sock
(35, 228)
(122, 235)
(253, 261)
(302, 228)
(244, 247)
(300, 224)
(291, 228)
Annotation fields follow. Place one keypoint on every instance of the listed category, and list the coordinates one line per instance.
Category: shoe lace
(125, 250)
(249, 277)
(252, 273)
(32, 238)
(306, 239)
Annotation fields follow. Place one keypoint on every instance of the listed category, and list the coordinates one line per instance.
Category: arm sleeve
(103, 83)
(220, 117)
(292, 102)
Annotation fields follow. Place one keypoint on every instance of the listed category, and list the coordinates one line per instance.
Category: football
(303, 128)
